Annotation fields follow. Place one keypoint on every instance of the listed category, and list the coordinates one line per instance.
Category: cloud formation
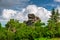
(57, 0)
(8, 13)
(41, 12)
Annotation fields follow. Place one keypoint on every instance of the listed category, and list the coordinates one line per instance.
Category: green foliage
(3, 34)
(47, 39)
(12, 23)
(14, 30)
(52, 23)
(10, 35)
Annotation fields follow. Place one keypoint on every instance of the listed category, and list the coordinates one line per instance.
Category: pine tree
(57, 15)
(53, 15)
(0, 25)
(52, 23)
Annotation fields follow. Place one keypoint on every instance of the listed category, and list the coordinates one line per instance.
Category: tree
(3, 33)
(52, 23)
(53, 15)
(52, 28)
(0, 25)
(10, 35)
(12, 25)
(57, 18)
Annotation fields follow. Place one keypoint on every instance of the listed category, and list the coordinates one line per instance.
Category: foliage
(47, 39)
(14, 30)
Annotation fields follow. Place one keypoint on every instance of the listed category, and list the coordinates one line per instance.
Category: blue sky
(19, 4)
(49, 4)
(10, 7)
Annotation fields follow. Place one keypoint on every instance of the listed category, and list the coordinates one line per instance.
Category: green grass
(47, 39)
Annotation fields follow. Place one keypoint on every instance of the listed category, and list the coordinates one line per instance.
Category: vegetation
(14, 30)
(47, 39)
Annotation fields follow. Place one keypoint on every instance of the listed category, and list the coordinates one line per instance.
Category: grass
(47, 39)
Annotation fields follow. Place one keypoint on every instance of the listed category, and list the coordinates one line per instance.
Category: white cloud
(57, 0)
(41, 12)
(31, 9)
(8, 13)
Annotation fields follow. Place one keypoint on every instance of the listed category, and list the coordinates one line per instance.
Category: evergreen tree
(0, 25)
(52, 23)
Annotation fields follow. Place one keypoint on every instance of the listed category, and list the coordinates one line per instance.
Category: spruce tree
(0, 25)
(52, 23)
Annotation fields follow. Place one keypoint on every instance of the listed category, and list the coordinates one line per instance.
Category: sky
(19, 9)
